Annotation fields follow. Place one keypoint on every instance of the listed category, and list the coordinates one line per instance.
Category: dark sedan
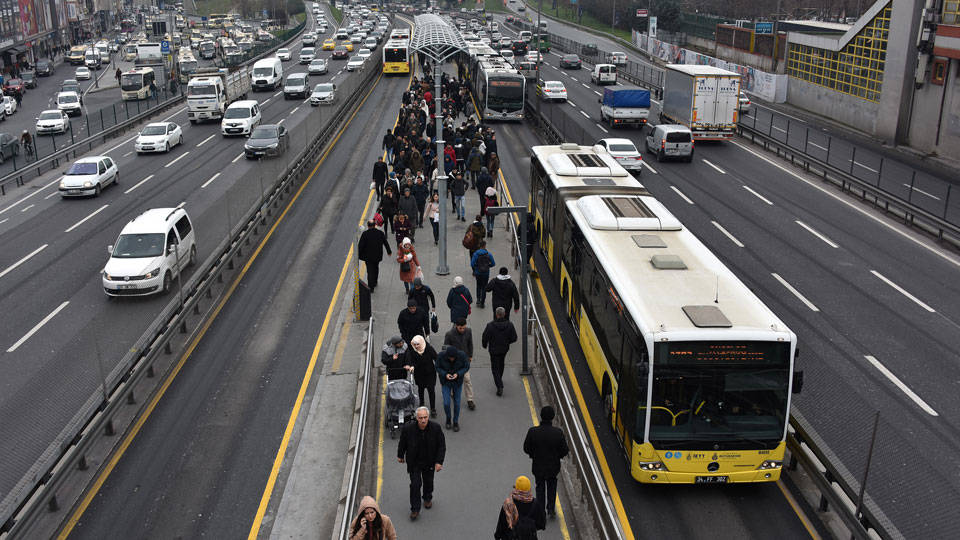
(570, 61)
(13, 87)
(266, 140)
(44, 68)
(340, 53)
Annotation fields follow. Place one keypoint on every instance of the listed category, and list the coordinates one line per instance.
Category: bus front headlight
(770, 464)
(652, 466)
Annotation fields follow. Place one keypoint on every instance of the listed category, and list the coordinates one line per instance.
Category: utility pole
(539, 59)
(524, 297)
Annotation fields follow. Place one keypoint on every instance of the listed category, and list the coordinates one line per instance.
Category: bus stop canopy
(436, 38)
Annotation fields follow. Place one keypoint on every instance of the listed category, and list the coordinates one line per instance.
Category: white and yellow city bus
(694, 372)
(396, 56)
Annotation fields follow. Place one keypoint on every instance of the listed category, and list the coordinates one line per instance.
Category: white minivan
(240, 117)
(267, 74)
(150, 253)
(604, 74)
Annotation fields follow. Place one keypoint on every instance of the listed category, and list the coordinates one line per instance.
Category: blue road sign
(165, 47)
(204, 18)
(763, 28)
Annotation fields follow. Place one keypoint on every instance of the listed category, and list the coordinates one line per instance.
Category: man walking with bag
(370, 251)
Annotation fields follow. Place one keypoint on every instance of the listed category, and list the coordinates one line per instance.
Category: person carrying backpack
(520, 515)
(481, 262)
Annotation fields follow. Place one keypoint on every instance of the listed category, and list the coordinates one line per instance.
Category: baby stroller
(401, 399)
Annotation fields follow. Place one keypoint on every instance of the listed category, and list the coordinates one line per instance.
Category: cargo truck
(702, 98)
(211, 90)
(625, 106)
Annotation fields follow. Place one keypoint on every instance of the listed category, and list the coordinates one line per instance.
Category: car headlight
(652, 466)
(274, 146)
(770, 464)
(88, 184)
(107, 276)
(153, 273)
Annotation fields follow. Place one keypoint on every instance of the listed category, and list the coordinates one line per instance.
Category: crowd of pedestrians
(405, 181)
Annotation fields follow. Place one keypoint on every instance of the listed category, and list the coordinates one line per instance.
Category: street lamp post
(442, 267)
(539, 60)
(524, 297)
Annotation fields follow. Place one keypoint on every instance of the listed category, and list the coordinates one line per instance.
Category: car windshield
(82, 168)
(283, 51)
(623, 148)
(237, 112)
(356, 59)
(50, 116)
(135, 246)
(265, 132)
(318, 62)
(202, 90)
(14, 82)
(43, 64)
(263, 71)
(70, 98)
(323, 88)
(154, 130)
(307, 50)
(296, 80)
(571, 58)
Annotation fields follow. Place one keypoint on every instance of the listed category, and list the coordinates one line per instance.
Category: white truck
(705, 99)
(211, 90)
(621, 107)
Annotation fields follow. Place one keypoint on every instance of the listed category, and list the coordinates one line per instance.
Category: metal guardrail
(40, 489)
(909, 212)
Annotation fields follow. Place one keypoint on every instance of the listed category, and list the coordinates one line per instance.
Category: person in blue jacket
(481, 262)
(452, 366)
(459, 300)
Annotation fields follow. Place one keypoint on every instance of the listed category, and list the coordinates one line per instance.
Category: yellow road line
(811, 530)
(383, 405)
(533, 414)
(138, 425)
(341, 345)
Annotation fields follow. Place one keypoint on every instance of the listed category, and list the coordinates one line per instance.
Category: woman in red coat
(409, 265)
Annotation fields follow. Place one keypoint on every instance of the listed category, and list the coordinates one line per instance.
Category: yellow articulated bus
(694, 373)
(396, 56)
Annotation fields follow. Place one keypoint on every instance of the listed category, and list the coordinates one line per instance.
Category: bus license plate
(711, 480)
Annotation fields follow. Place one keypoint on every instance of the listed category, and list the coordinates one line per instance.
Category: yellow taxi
(329, 44)
(346, 43)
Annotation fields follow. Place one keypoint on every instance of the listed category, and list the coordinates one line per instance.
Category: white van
(69, 102)
(150, 253)
(526, 35)
(604, 74)
(267, 74)
(240, 118)
(669, 141)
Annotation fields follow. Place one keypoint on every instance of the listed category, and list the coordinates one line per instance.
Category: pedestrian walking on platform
(423, 295)
(458, 187)
(504, 292)
(408, 205)
(409, 264)
(421, 359)
(452, 365)
(393, 353)
(402, 227)
(370, 251)
(432, 212)
(489, 200)
(413, 321)
(496, 339)
(461, 338)
(422, 447)
(420, 192)
(388, 206)
(520, 515)
(546, 446)
(379, 176)
(481, 261)
(459, 300)
(370, 524)
(387, 144)
(475, 234)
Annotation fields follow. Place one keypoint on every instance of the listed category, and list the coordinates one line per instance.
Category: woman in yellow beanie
(520, 515)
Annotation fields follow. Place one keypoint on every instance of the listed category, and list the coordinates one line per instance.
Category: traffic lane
(207, 450)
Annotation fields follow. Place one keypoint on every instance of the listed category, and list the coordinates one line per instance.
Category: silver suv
(670, 141)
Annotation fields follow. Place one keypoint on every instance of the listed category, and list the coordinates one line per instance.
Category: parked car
(318, 66)
(158, 137)
(88, 176)
(9, 146)
(570, 61)
(44, 68)
(323, 93)
(52, 121)
(267, 140)
(82, 73)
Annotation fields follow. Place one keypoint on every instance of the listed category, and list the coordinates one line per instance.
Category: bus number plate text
(711, 480)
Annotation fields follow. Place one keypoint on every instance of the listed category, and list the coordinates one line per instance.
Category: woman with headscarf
(402, 227)
(520, 515)
(407, 257)
(370, 524)
(489, 200)
(420, 359)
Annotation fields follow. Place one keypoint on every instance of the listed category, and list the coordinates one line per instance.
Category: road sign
(763, 28)
(642, 13)
(165, 47)
(203, 18)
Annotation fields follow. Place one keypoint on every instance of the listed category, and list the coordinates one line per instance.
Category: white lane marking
(181, 156)
(585, 114)
(138, 184)
(278, 93)
(52, 194)
(178, 111)
(585, 85)
(781, 113)
(918, 190)
(127, 154)
(597, 93)
(572, 104)
(809, 229)
(647, 165)
(779, 129)
(266, 101)
(294, 110)
(817, 145)
(865, 167)
(201, 143)
(727, 234)
(795, 292)
(39, 325)
(237, 158)
(4, 220)
(26, 258)
(121, 144)
(680, 193)
(603, 129)
(940, 253)
(279, 122)
(899, 384)
(207, 183)
(27, 208)
(759, 196)
(718, 169)
(82, 221)
(902, 291)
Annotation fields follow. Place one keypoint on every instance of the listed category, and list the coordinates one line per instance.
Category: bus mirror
(797, 381)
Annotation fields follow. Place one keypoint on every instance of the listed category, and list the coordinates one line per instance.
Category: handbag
(378, 219)
(434, 322)
(469, 307)
(405, 266)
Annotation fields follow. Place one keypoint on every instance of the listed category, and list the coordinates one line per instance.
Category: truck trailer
(702, 98)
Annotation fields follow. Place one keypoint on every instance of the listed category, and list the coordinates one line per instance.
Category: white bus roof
(571, 165)
(668, 280)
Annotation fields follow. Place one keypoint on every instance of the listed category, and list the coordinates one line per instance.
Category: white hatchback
(88, 176)
(283, 54)
(355, 63)
(158, 137)
(150, 252)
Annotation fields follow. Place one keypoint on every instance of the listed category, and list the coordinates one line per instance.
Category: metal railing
(48, 483)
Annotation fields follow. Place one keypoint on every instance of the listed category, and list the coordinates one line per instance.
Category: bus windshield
(726, 394)
(394, 54)
(188, 66)
(201, 90)
(505, 94)
(131, 81)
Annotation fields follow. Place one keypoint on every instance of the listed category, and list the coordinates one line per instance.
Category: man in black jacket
(496, 339)
(370, 251)
(379, 176)
(422, 447)
(546, 446)
(461, 338)
(423, 295)
(504, 292)
(413, 322)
